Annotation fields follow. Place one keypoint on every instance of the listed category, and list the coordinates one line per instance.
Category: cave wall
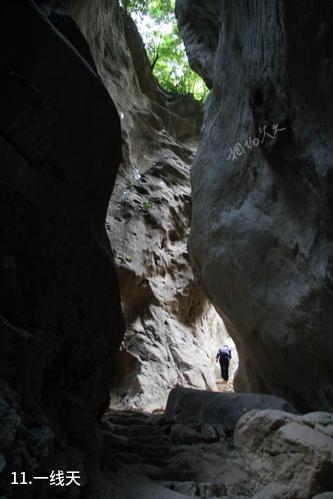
(261, 235)
(60, 318)
(172, 331)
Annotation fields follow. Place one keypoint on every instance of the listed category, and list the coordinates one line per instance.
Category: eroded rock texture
(293, 455)
(195, 460)
(60, 319)
(271, 454)
(261, 238)
(172, 332)
(200, 28)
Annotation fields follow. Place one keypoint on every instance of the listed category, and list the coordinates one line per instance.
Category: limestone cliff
(261, 237)
(172, 332)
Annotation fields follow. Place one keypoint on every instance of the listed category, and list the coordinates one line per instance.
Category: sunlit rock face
(172, 332)
(60, 318)
(261, 237)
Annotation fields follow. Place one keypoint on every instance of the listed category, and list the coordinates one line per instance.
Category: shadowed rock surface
(272, 454)
(179, 461)
(188, 405)
(60, 319)
(261, 236)
(199, 25)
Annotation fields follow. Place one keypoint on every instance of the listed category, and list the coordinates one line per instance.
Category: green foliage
(147, 205)
(159, 10)
(157, 24)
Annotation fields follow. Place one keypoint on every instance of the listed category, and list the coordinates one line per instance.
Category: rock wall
(60, 318)
(172, 332)
(261, 236)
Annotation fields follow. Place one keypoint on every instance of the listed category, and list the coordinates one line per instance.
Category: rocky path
(193, 460)
(225, 386)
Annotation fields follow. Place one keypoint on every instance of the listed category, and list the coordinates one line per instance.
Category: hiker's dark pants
(224, 364)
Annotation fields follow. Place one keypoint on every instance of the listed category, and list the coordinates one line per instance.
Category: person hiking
(223, 356)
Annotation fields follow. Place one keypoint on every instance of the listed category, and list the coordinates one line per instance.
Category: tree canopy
(157, 24)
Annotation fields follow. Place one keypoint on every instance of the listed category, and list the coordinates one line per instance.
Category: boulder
(189, 405)
(193, 433)
(292, 454)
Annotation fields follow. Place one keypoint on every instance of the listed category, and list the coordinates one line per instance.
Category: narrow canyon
(141, 230)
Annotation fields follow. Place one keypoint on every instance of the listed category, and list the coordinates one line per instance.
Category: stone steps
(122, 444)
(127, 417)
(149, 445)
(137, 441)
